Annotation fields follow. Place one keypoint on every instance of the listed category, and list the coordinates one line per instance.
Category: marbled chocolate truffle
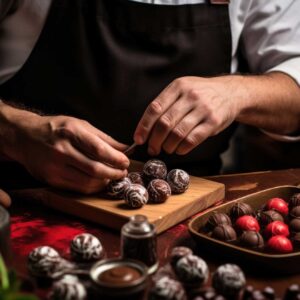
(252, 239)
(178, 180)
(68, 288)
(136, 177)
(116, 188)
(44, 261)
(269, 216)
(294, 200)
(229, 280)
(154, 169)
(167, 289)
(224, 233)
(192, 270)
(295, 212)
(240, 209)
(177, 253)
(136, 196)
(217, 219)
(159, 191)
(86, 247)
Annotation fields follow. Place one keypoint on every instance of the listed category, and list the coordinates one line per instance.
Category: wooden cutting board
(201, 194)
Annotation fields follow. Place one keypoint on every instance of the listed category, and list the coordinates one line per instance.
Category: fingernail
(139, 139)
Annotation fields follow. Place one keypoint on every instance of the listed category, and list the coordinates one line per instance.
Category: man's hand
(63, 151)
(185, 114)
(4, 199)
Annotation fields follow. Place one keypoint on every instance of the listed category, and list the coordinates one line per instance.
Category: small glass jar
(139, 241)
(119, 279)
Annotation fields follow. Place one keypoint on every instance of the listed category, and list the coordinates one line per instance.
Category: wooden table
(34, 225)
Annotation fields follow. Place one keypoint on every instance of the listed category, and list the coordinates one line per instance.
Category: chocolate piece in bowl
(136, 177)
(217, 219)
(159, 191)
(270, 216)
(295, 212)
(86, 247)
(179, 252)
(192, 270)
(229, 280)
(276, 228)
(246, 223)
(294, 225)
(280, 244)
(136, 196)
(279, 205)
(240, 209)
(224, 233)
(252, 239)
(178, 180)
(154, 169)
(116, 188)
(294, 200)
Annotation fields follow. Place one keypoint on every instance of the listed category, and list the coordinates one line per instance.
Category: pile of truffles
(45, 263)
(153, 185)
(275, 228)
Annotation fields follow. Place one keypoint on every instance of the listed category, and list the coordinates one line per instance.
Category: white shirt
(268, 29)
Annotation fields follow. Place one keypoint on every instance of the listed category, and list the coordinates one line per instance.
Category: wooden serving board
(201, 194)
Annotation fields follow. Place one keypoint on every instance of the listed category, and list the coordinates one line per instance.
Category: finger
(166, 123)
(182, 130)
(197, 136)
(155, 109)
(5, 199)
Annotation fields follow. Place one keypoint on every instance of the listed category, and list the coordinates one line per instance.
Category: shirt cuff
(291, 67)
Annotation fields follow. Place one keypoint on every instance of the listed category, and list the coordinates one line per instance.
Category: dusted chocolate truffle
(68, 288)
(292, 292)
(154, 169)
(167, 289)
(159, 191)
(295, 212)
(44, 261)
(270, 216)
(240, 209)
(177, 253)
(136, 177)
(136, 196)
(86, 247)
(269, 293)
(217, 219)
(294, 200)
(252, 239)
(229, 280)
(224, 233)
(116, 188)
(178, 180)
(295, 225)
(191, 270)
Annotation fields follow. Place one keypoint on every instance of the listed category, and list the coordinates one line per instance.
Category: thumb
(5, 199)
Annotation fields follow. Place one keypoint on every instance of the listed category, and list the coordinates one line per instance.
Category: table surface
(34, 225)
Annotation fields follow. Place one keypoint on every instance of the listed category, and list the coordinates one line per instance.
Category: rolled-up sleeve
(271, 37)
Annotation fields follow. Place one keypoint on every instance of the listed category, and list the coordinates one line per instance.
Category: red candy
(276, 228)
(280, 244)
(245, 223)
(279, 205)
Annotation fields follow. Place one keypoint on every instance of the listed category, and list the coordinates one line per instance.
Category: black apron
(105, 60)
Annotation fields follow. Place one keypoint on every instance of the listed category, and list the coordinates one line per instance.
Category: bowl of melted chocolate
(116, 278)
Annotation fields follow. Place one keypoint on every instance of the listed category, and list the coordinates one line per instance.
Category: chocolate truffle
(252, 239)
(167, 289)
(154, 169)
(279, 205)
(116, 188)
(269, 293)
(217, 219)
(44, 261)
(294, 200)
(292, 292)
(191, 270)
(136, 196)
(296, 239)
(177, 253)
(240, 209)
(295, 212)
(178, 180)
(279, 244)
(295, 225)
(224, 233)
(159, 191)
(86, 247)
(228, 280)
(136, 177)
(276, 228)
(68, 288)
(270, 216)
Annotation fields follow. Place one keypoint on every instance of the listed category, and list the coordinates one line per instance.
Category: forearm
(270, 102)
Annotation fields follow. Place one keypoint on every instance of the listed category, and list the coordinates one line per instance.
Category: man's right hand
(63, 151)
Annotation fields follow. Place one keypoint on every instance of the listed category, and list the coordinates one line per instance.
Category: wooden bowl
(271, 263)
